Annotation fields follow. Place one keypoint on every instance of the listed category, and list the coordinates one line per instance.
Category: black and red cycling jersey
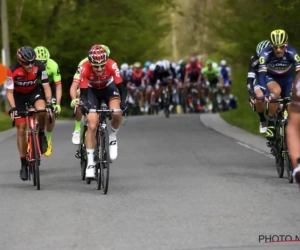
(21, 81)
(137, 75)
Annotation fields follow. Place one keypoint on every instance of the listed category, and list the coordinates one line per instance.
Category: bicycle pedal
(77, 155)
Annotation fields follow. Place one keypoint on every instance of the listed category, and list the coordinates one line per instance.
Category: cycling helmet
(97, 55)
(166, 64)
(278, 37)
(193, 59)
(137, 65)
(260, 46)
(173, 65)
(147, 64)
(209, 62)
(26, 54)
(42, 53)
(223, 63)
(152, 67)
(106, 49)
(124, 67)
(215, 65)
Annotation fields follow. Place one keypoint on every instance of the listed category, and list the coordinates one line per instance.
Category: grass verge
(243, 117)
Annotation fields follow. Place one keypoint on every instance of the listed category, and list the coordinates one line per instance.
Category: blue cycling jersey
(271, 66)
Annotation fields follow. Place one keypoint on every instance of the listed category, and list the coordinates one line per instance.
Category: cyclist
(22, 87)
(75, 94)
(225, 72)
(138, 81)
(100, 80)
(293, 129)
(146, 66)
(211, 76)
(252, 87)
(53, 72)
(193, 73)
(275, 73)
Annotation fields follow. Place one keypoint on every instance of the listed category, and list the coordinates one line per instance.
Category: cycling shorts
(96, 96)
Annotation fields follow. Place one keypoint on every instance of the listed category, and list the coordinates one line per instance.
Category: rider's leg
(90, 137)
(260, 110)
(275, 90)
(78, 117)
(114, 103)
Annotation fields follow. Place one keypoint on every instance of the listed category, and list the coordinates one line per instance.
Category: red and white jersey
(89, 79)
(193, 68)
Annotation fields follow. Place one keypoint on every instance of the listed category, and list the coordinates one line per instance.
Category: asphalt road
(176, 185)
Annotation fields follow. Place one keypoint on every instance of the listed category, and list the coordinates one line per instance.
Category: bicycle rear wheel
(104, 163)
(36, 161)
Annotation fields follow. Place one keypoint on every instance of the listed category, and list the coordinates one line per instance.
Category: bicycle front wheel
(36, 159)
(104, 162)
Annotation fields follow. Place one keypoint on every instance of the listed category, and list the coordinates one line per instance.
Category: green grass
(243, 117)
(5, 122)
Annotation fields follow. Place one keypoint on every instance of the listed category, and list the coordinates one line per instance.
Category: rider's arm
(10, 89)
(218, 75)
(57, 82)
(118, 81)
(262, 72)
(251, 74)
(83, 84)
(186, 73)
(75, 83)
(42, 74)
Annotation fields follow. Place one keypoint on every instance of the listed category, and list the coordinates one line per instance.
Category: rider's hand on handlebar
(268, 98)
(252, 100)
(13, 112)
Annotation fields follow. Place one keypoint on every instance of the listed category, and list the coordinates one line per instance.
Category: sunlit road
(175, 185)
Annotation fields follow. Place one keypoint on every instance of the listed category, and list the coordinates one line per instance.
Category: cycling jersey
(273, 69)
(76, 77)
(211, 74)
(53, 72)
(225, 73)
(21, 81)
(137, 76)
(193, 69)
(126, 75)
(89, 79)
(151, 78)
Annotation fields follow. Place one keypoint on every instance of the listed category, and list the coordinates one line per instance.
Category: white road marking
(256, 150)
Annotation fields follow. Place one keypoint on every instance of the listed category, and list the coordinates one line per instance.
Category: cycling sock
(261, 116)
(23, 160)
(77, 125)
(270, 121)
(113, 134)
(49, 136)
(90, 154)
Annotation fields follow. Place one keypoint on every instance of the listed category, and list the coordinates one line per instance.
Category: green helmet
(209, 62)
(42, 53)
(107, 50)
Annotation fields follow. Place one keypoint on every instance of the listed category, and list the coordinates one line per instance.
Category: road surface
(176, 185)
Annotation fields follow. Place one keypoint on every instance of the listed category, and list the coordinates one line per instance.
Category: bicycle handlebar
(284, 101)
(28, 113)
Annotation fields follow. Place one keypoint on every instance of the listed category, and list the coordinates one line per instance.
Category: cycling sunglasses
(280, 47)
(96, 66)
(28, 63)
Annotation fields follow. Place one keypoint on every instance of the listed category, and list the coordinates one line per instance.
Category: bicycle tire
(104, 163)
(287, 160)
(36, 160)
(280, 159)
(31, 166)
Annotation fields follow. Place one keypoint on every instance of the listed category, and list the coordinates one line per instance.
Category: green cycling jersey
(53, 72)
(211, 74)
(77, 73)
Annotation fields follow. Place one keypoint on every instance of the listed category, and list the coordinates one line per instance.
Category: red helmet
(97, 55)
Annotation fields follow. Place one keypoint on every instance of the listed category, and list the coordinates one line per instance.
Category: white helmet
(215, 65)
(124, 67)
(159, 63)
(152, 67)
(166, 64)
(223, 63)
(174, 65)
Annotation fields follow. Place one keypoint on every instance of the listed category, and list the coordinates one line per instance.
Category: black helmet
(26, 54)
